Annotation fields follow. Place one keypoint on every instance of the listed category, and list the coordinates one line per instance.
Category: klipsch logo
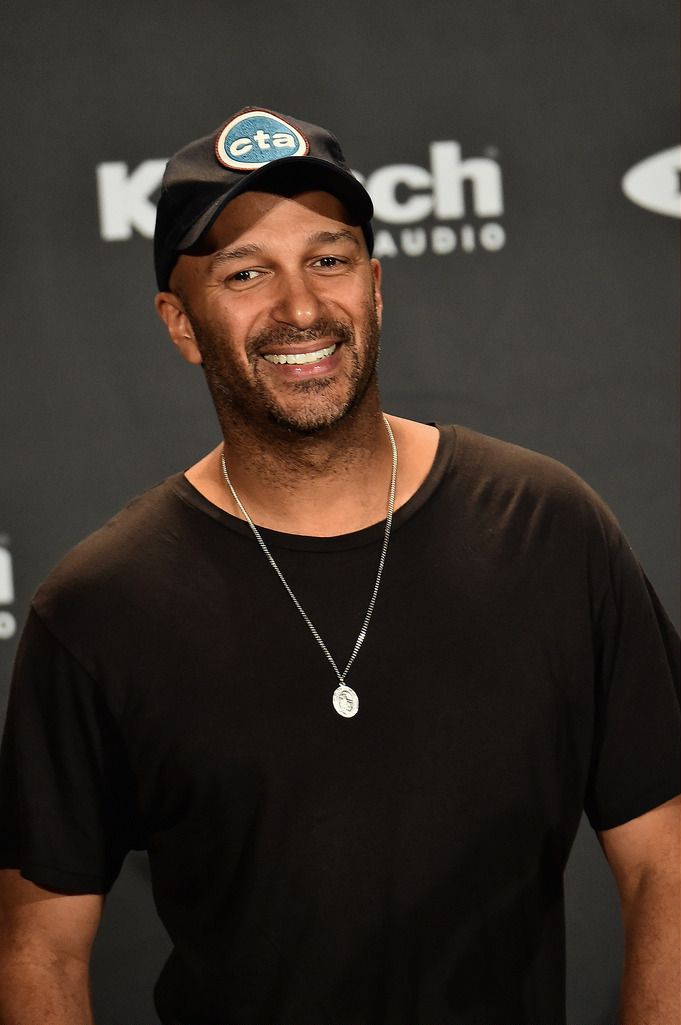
(257, 137)
(654, 183)
(8, 623)
(453, 203)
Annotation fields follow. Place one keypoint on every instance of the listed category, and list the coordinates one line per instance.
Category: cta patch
(257, 137)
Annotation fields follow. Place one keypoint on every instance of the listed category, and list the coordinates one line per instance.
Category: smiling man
(286, 325)
(350, 680)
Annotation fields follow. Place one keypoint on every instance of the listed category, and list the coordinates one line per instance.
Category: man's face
(283, 305)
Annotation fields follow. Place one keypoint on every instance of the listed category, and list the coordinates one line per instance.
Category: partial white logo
(406, 194)
(654, 183)
(124, 198)
(453, 204)
(8, 623)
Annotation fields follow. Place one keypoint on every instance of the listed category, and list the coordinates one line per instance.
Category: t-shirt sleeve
(67, 810)
(636, 756)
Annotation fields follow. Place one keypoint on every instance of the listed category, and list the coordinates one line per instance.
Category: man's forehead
(257, 214)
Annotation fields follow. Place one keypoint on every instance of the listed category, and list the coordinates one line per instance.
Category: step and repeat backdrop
(524, 163)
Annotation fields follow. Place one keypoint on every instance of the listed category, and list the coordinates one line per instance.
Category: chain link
(381, 561)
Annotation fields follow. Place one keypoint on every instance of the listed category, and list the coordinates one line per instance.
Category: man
(350, 679)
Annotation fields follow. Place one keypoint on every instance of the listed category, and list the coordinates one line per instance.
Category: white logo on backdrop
(451, 204)
(8, 623)
(124, 199)
(655, 182)
(406, 194)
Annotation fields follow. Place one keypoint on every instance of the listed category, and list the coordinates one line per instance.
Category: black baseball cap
(257, 149)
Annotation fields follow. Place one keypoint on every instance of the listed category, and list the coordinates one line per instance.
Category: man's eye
(243, 276)
(329, 262)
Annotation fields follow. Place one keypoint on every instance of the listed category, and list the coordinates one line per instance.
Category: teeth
(300, 357)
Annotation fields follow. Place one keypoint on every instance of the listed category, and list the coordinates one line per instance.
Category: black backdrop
(528, 294)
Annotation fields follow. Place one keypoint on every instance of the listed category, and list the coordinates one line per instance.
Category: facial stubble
(243, 399)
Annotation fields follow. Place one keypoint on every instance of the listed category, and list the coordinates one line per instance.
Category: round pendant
(345, 701)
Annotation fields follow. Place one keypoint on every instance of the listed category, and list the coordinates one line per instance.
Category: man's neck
(331, 483)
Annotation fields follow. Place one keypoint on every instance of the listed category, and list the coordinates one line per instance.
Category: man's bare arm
(645, 857)
(45, 944)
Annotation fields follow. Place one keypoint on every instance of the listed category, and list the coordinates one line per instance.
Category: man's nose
(297, 303)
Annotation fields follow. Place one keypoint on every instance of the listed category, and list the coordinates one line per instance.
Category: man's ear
(171, 310)
(378, 296)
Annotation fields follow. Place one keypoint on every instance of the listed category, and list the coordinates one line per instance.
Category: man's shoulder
(125, 546)
(509, 475)
(482, 455)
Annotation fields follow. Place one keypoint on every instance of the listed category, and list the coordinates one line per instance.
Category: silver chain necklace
(345, 700)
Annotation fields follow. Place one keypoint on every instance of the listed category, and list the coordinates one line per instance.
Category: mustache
(284, 335)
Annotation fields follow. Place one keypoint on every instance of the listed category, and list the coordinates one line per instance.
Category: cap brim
(288, 176)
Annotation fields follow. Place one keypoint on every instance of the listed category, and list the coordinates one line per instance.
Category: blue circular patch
(257, 137)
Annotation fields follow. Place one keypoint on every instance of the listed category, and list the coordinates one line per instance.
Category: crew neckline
(444, 455)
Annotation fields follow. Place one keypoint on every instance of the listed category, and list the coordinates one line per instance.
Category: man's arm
(45, 943)
(645, 857)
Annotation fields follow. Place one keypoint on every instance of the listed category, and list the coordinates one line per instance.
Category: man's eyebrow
(240, 253)
(251, 249)
(334, 236)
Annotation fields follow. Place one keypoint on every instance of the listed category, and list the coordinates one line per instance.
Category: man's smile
(300, 357)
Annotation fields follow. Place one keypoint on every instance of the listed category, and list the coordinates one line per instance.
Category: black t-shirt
(402, 867)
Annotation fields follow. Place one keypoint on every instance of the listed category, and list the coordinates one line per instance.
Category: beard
(305, 407)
